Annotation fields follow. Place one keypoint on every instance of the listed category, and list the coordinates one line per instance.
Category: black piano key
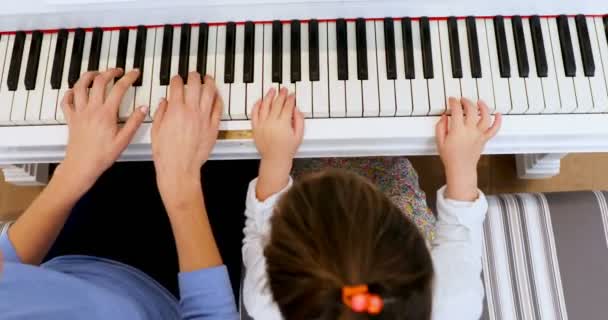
(16, 58)
(121, 53)
(165, 59)
(473, 41)
(565, 41)
(201, 55)
(540, 55)
(427, 48)
(76, 58)
(606, 26)
(249, 52)
(59, 59)
(342, 46)
(501, 47)
(389, 49)
(33, 61)
(277, 51)
(140, 53)
(408, 48)
(455, 59)
(95, 54)
(313, 50)
(361, 35)
(520, 47)
(229, 53)
(296, 52)
(184, 51)
(585, 45)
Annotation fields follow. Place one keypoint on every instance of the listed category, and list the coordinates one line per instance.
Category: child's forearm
(273, 177)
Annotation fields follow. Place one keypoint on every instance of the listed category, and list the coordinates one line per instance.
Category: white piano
(368, 84)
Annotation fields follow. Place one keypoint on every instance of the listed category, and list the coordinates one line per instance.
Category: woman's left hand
(95, 139)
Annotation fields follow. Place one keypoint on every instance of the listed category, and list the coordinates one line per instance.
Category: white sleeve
(257, 297)
(456, 252)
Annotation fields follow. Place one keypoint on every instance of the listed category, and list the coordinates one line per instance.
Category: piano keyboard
(392, 67)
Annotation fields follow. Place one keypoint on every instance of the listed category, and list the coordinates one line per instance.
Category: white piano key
(599, 44)
(304, 87)
(211, 50)
(86, 52)
(337, 88)
(255, 89)
(105, 51)
(534, 88)
(157, 92)
(581, 82)
(402, 86)
(18, 109)
(267, 73)
(420, 90)
(6, 96)
(286, 83)
(597, 82)
(485, 87)
(437, 97)
(451, 84)
(36, 96)
(50, 95)
(177, 35)
(320, 89)
(550, 86)
(59, 116)
(3, 57)
(193, 57)
(238, 92)
(386, 86)
(113, 50)
(502, 97)
(371, 100)
(468, 85)
(143, 93)
(220, 65)
(128, 101)
(519, 99)
(565, 84)
(354, 102)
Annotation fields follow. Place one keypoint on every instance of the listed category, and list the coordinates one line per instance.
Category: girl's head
(334, 230)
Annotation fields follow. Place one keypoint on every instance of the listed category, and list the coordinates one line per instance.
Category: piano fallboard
(344, 137)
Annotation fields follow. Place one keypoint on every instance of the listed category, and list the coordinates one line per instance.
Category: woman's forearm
(35, 231)
(196, 246)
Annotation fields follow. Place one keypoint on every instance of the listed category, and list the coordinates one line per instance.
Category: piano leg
(538, 165)
(36, 174)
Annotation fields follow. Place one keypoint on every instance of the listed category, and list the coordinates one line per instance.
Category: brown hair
(335, 229)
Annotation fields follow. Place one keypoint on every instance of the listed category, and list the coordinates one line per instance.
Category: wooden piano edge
(343, 137)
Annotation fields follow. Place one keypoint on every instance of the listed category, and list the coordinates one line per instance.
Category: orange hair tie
(358, 299)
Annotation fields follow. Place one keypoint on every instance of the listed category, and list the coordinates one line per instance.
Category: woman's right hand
(184, 132)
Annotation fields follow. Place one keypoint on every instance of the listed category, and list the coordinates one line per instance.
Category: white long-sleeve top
(456, 253)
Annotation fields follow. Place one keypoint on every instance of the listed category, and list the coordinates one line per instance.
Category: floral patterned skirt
(395, 176)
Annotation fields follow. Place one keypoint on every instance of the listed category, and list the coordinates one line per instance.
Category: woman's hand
(95, 140)
(278, 128)
(460, 141)
(184, 132)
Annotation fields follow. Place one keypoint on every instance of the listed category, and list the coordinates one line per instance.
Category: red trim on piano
(286, 21)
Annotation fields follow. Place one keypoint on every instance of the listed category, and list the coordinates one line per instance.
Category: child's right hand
(460, 140)
(278, 128)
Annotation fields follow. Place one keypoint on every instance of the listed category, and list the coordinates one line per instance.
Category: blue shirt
(84, 287)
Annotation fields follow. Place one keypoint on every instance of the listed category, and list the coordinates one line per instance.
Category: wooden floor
(496, 175)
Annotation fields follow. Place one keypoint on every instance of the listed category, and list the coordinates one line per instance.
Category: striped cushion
(546, 256)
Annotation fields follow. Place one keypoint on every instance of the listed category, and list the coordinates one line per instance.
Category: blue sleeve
(8, 250)
(207, 294)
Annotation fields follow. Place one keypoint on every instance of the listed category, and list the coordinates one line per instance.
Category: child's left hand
(278, 128)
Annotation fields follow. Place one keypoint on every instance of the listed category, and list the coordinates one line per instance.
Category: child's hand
(460, 141)
(278, 128)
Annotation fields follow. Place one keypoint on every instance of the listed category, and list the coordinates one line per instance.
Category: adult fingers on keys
(471, 112)
(81, 89)
(216, 114)
(158, 116)
(98, 91)
(193, 90)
